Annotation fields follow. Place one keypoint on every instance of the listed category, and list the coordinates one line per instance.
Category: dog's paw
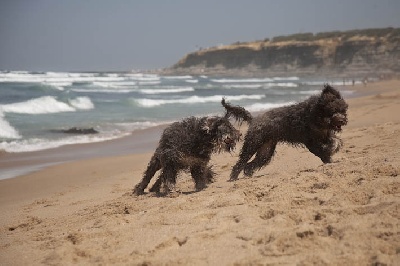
(137, 192)
(248, 171)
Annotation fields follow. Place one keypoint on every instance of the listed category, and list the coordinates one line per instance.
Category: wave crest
(6, 130)
(194, 99)
(47, 105)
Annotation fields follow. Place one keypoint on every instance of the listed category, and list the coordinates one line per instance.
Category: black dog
(312, 123)
(188, 145)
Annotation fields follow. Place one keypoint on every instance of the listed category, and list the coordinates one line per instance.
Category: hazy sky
(98, 35)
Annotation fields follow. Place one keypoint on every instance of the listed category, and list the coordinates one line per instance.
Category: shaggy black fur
(187, 146)
(237, 112)
(311, 123)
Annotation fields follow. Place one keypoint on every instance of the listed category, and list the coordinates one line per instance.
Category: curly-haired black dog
(188, 145)
(311, 123)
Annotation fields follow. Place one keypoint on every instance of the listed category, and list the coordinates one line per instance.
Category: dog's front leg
(168, 178)
(321, 150)
(198, 173)
(156, 186)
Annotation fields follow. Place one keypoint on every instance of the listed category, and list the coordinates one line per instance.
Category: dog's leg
(168, 178)
(245, 155)
(153, 166)
(208, 175)
(321, 150)
(156, 186)
(198, 173)
(262, 158)
(237, 168)
(337, 144)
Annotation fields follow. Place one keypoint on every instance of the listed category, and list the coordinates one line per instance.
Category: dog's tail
(237, 112)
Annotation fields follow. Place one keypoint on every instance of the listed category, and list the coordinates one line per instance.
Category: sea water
(35, 108)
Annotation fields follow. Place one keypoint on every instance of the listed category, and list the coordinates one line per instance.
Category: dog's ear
(328, 89)
(210, 124)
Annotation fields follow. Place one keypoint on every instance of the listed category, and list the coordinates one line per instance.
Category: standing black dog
(312, 123)
(188, 145)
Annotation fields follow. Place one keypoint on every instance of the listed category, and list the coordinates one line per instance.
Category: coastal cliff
(356, 52)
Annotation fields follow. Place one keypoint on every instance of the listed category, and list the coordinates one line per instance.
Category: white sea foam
(53, 78)
(260, 85)
(136, 125)
(103, 90)
(47, 105)
(310, 92)
(36, 144)
(284, 84)
(253, 80)
(82, 103)
(167, 89)
(286, 78)
(257, 107)
(6, 130)
(192, 81)
(195, 99)
(143, 77)
(42, 105)
(178, 77)
(58, 85)
(242, 86)
(144, 83)
(115, 84)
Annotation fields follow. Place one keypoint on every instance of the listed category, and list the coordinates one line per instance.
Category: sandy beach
(295, 211)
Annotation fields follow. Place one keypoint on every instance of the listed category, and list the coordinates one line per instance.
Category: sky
(122, 35)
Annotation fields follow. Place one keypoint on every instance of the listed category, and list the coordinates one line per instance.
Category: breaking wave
(48, 105)
(6, 130)
(171, 89)
(257, 107)
(194, 99)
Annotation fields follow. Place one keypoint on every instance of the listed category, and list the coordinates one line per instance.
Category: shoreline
(294, 211)
(138, 141)
(145, 140)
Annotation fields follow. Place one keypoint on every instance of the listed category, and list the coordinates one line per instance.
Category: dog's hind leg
(262, 158)
(244, 157)
(153, 166)
(238, 167)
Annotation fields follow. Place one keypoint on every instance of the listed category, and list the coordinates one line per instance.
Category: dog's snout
(339, 118)
(227, 139)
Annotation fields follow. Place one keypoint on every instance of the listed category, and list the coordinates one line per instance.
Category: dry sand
(294, 211)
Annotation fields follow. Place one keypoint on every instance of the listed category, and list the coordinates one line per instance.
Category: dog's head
(332, 109)
(225, 135)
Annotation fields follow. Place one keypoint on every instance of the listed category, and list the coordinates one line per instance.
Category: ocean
(38, 108)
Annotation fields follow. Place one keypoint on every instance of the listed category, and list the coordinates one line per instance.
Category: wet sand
(294, 211)
(17, 164)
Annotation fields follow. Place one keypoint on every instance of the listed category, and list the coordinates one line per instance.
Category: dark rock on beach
(76, 130)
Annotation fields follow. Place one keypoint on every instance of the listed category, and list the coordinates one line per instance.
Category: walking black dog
(188, 145)
(312, 123)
